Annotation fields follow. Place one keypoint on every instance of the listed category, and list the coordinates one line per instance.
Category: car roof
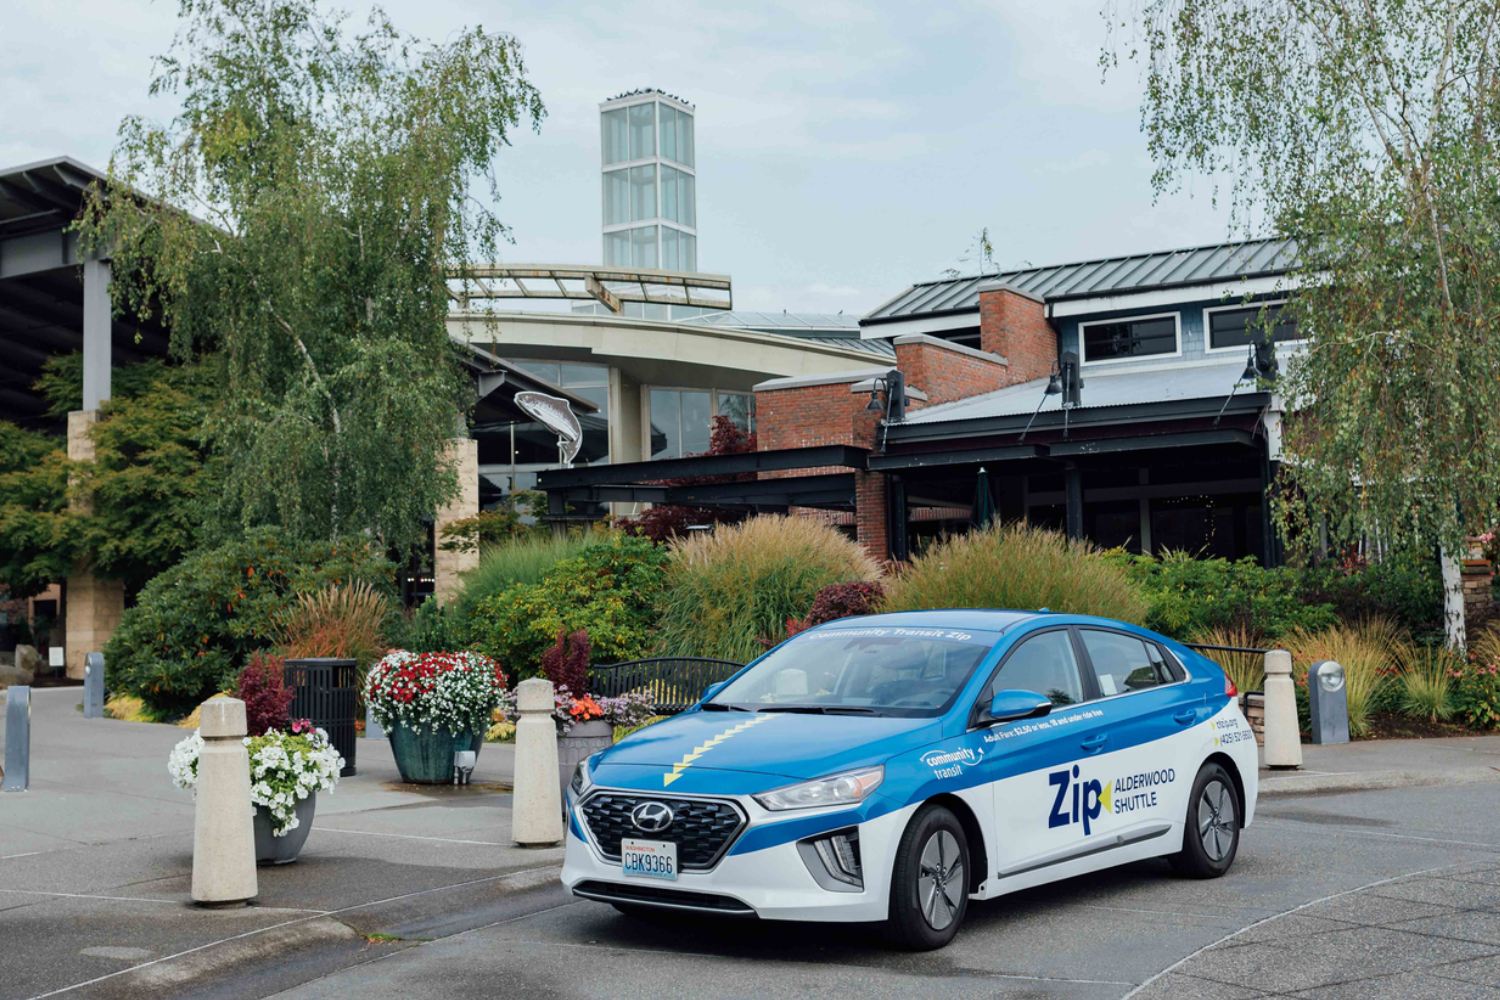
(986, 619)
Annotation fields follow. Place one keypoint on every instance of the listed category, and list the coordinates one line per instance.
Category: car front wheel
(1212, 834)
(930, 881)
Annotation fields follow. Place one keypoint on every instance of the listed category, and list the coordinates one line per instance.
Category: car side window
(1045, 664)
(1122, 663)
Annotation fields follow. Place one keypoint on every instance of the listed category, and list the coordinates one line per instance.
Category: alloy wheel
(1216, 820)
(941, 881)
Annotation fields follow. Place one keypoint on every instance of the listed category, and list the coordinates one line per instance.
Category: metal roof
(1218, 262)
(40, 196)
(1125, 387)
(782, 322)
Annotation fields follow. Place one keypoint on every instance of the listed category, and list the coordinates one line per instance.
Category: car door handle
(1095, 743)
(1185, 716)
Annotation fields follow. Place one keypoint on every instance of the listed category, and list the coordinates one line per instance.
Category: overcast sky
(845, 149)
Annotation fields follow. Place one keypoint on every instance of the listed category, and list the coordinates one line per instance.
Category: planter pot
(273, 850)
(582, 740)
(426, 757)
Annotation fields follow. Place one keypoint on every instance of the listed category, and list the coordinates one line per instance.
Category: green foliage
(194, 625)
(729, 592)
(1476, 691)
(1017, 566)
(606, 590)
(520, 560)
(37, 530)
(336, 168)
(61, 381)
(1371, 134)
(1189, 596)
(1428, 674)
(148, 476)
(1404, 586)
(431, 628)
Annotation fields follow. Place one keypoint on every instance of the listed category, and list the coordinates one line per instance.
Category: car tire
(1211, 831)
(929, 882)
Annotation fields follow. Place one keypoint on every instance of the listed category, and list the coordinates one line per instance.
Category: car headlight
(835, 790)
(581, 780)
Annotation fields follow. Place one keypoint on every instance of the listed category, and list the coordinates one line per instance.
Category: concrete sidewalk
(1349, 767)
(95, 862)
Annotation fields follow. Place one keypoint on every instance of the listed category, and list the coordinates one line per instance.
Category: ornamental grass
(516, 560)
(1246, 670)
(1369, 650)
(344, 620)
(1017, 566)
(1428, 677)
(729, 592)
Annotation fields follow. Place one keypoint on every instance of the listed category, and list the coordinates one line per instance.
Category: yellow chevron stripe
(688, 759)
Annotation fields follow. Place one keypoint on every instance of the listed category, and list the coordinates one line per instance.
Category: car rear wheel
(1211, 837)
(930, 881)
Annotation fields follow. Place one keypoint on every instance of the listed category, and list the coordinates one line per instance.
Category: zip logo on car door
(1089, 799)
(1085, 801)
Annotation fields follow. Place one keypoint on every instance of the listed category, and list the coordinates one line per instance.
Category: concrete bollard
(17, 738)
(1283, 747)
(536, 804)
(93, 686)
(223, 833)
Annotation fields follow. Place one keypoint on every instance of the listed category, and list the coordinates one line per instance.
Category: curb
(1278, 783)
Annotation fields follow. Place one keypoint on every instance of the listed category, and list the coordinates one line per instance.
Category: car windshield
(861, 671)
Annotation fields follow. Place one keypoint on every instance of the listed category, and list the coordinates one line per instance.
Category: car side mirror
(713, 689)
(1007, 706)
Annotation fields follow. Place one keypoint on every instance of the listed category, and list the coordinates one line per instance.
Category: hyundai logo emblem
(651, 817)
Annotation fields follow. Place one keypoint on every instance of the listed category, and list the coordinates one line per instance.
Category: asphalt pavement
(1389, 890)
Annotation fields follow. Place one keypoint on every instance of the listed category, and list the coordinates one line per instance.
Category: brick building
(1122, 400)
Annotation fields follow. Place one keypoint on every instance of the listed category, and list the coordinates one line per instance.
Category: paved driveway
(1373, 893)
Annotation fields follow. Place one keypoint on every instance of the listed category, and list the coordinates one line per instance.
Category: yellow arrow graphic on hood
(688, 759)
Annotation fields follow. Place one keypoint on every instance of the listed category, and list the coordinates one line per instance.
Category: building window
(681, 420)
(616, 141)
(1230, 328)
(676, 135)
(642, 130)
(643, 246)
(642, 193)
(526, 443)
(616, 197)
(1121, 339)
(617, 249)
(679, 250)
(677, 196)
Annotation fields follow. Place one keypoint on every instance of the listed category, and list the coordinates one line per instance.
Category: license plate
(648, 858)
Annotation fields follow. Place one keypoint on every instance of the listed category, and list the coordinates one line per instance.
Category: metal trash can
(325, 691)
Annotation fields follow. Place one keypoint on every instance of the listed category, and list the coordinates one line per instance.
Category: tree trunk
(1454, 625)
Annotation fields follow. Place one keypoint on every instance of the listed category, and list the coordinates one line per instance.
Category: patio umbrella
(984, 502)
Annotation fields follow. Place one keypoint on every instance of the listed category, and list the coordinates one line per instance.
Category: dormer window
(1135, 337)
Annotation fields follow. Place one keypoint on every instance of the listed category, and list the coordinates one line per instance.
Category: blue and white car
(893, 767)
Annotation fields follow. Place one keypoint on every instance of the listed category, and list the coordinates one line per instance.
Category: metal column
(1073, 483)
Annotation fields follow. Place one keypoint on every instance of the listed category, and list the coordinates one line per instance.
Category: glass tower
(650, 188)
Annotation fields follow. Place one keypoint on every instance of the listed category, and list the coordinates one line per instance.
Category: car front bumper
(772, 882)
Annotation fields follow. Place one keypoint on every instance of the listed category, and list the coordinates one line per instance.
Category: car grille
(702, 829)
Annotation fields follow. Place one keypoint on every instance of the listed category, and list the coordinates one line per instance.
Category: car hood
(736, 751)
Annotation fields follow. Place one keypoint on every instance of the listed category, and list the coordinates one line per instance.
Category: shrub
(1246, 670)
(1017, 566)
(1367, 650)
(1189, 596)
(1404, 586)
(1476, 691)
(566, 662)
(518, 560)
(430, 628)
(839, 600)
(346, 620)
(1427, 680)
(607, 590)
(194, 625)
(262, 687)
(728, 590)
